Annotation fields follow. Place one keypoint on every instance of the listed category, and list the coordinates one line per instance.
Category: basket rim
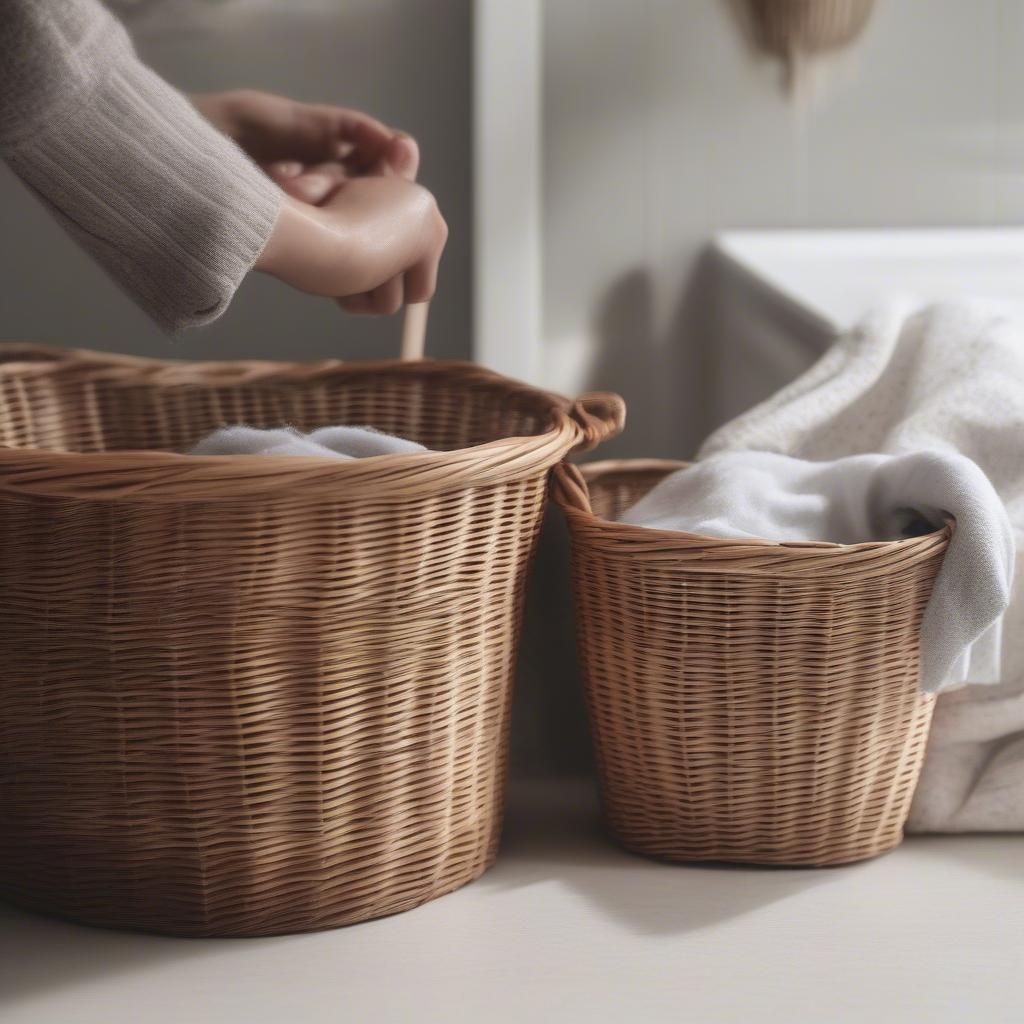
(746, 556)
(153, 475)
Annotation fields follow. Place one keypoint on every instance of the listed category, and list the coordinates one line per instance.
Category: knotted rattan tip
(600, 415)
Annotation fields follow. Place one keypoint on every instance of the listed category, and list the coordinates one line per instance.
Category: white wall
(406, 61)
(662, 127)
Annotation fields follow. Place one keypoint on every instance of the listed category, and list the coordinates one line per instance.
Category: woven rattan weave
(245, 694)
(749, 701)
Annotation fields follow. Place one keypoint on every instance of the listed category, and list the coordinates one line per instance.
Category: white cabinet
(782, 296)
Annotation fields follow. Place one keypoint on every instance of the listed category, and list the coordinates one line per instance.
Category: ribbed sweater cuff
(173, 209)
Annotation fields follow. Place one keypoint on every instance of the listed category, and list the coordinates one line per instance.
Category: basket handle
(600, 415)
(570, 488)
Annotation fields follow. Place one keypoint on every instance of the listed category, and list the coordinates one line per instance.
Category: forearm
(172, 209)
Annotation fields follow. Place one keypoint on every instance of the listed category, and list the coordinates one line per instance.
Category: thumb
(403, 156)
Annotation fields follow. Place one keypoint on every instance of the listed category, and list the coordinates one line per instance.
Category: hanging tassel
(795, 30)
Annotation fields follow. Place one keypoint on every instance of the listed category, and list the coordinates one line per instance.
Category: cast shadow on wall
(666, 382)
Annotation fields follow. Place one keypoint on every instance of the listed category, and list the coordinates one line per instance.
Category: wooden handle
(414, 330)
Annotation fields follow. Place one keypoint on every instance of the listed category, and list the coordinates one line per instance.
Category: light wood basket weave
(749, 701)
(244, 695)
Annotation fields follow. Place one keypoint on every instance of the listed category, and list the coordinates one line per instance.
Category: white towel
(947, 378)
(327, 442)
(863, 498)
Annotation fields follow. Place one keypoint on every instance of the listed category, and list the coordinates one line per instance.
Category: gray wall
(406, 61)
(661, 127)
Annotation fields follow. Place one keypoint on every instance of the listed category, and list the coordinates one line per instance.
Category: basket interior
(114, 409)
(614, 491)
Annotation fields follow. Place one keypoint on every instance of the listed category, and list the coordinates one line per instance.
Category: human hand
(370, 244)
(374, 243)
(288, 139)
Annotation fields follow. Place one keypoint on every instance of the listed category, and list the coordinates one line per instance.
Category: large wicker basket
(241, 694)
(749, 701)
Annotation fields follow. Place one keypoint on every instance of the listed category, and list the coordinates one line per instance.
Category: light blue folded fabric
(326, 442)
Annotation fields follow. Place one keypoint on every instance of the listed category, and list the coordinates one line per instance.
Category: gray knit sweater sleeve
(173, 210)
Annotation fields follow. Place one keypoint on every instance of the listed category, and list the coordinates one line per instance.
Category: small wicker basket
(245, 695)
(750, 701)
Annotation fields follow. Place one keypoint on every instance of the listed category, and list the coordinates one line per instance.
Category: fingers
(313, 185)
(318, 133)
(282, 170)
(421, 277)
(316, 184)
(355, 138)
(401, 157)
(274, 128)
(367, 146)
(421, 281)
(416, 284)
(358, 304)
(315, 133)
(283, 131)
(384, 300)
(387, 298)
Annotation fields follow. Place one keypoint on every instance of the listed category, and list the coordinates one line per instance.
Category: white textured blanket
(948, 378)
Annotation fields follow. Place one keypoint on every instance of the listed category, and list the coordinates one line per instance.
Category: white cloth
(864, 498)
(947, 378)
(327, 442)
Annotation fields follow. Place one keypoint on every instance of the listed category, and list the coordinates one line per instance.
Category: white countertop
(568, 928)
(834, 276)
